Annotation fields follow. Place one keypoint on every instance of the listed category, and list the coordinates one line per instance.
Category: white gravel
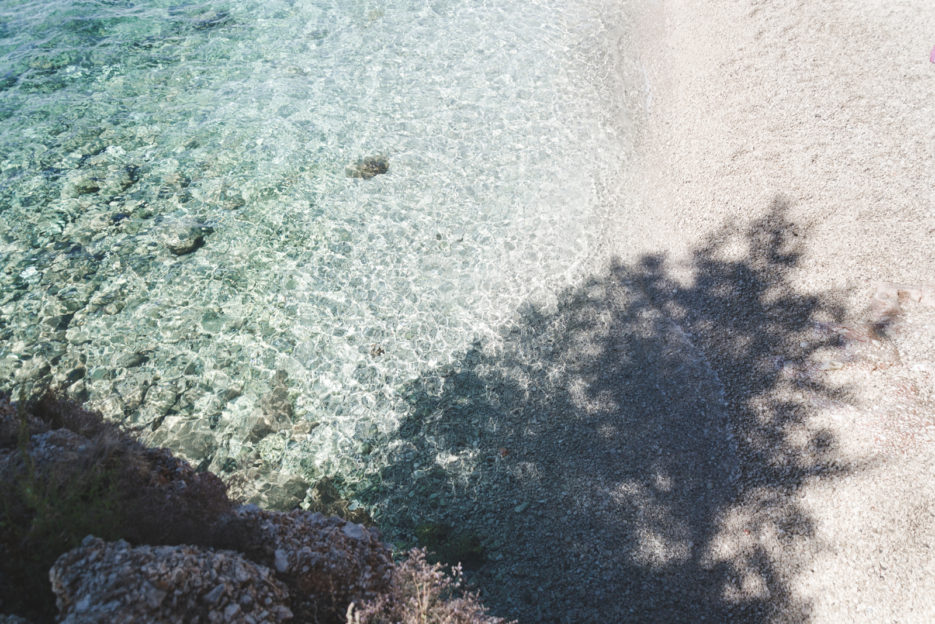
(825, 108)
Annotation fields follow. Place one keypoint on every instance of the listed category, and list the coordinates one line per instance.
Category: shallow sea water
(281, 345)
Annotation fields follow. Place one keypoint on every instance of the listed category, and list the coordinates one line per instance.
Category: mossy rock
(449, 545)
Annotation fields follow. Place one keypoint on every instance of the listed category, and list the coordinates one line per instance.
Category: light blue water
(280, 346)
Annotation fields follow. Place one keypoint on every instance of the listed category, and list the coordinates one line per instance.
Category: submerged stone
(129, 360)
(369, 167)
(324, 497)
(232, 199)
(8, 80)
(79, 183)
(283, 493)
(184, 236)
(119, 179)
(212, 19)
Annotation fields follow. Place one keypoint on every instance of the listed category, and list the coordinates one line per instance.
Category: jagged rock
(113, 582)
(368, 167)
(327, 562)
(45, 450)
(163, 497)
(233, 565)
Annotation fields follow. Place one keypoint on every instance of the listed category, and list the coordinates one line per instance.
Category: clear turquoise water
(280, 346)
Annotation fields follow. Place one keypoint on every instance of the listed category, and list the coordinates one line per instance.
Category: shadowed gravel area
(586, 465)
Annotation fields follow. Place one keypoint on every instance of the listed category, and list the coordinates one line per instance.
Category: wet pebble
(184, 236)
(129, 360)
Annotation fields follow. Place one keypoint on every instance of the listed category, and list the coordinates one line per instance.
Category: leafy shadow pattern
(633, 452)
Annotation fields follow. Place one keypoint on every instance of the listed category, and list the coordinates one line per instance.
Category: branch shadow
(632, 454)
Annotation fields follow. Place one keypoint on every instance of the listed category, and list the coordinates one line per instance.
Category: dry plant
(422, 593)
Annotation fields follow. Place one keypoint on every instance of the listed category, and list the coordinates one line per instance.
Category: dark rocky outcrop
(327, 562)
(114, 582)
(133, 534)
(65, 473)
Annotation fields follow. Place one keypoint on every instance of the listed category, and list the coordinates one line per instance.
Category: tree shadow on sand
(633, 453)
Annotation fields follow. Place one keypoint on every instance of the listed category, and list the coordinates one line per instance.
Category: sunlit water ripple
(280, 346)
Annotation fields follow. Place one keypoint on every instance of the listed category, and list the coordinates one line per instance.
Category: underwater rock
(212, 19)
(104, 174)
(260, 425)
(192, 437)
(118, 179)
(277, 405)
(73, 375)
(232, 199)
(129, 360)
(132, 389)
(160, 399)
(325, 498)
(184, 236)
(368, 167)
(79, 183)
(8, 80)
(248, 420)
(35, 370)
(284, 494)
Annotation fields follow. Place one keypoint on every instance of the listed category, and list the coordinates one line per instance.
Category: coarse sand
(819, 119)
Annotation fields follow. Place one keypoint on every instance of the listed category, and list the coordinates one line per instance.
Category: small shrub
(422, 593)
